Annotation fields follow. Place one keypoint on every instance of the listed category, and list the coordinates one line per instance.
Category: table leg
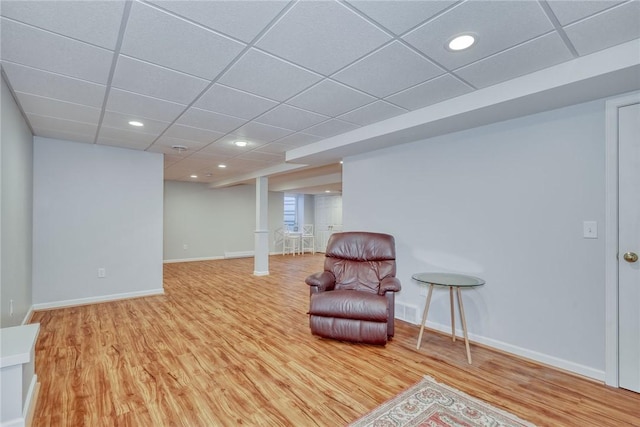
(453, 317)
(464, 325)
(424, 316)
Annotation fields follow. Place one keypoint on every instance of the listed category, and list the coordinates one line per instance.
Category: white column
(261, 250)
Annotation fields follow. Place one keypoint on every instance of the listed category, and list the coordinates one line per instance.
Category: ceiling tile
(52, 123)
(123, 143)
(431, 92)
(49, 85)
(330, 98)
(190, 165)
(95, 22)
(212, 155)
(273, 148)
(389, 70)
(223, 147)
(58, 109)
(121, 121)
(164, 39)
(288, 117)
(262, 74)
(258, 132)
(532, 56)
(147, 79)
(233, 102)
(497, 24)
(568, 11)
(203, 119)
(606, 29)
(201, 136)
(63, 134)
(137, 137)
(41, 49)
(374, 112)
(246, 165)
(166, 149)
(322, 35)
(239, 19)
(168, 141)
(262, 156)
(143, 106)
(298, 139)
(331, 128)
(400, 16)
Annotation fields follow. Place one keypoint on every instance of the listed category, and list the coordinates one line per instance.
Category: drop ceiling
(284, 76)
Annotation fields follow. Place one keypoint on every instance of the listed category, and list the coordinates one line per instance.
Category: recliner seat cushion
(350, 304)
(359, 331)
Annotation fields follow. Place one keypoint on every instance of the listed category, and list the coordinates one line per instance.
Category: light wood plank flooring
(224, 348)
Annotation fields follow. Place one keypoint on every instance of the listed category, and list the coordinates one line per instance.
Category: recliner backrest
(360, 260)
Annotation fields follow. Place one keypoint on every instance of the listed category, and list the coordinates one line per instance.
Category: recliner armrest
(324, 281)
(389, 284)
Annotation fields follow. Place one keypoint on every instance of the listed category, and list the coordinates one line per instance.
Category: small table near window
(451, 280)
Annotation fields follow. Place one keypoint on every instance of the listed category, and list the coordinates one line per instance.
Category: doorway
(622, 289)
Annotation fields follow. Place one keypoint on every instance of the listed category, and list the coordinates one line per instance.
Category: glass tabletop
(448, 279)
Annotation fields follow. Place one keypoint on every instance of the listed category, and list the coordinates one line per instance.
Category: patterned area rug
(431, 404)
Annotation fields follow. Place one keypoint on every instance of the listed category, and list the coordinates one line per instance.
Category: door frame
(611, 234)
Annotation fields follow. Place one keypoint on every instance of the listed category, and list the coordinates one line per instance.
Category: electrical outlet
(590, 229)
(185, 246)
(102, 273)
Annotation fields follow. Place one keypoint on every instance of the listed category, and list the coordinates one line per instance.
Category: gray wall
(16, 152)
(505, 202)
(213, 222)
(95, 207)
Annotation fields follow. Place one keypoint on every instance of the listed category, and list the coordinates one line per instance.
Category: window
(291, 211)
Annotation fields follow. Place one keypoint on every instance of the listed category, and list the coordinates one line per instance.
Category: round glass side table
(457, 281)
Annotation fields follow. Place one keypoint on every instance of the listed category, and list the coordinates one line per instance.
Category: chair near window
(308, 239)
(291, 242)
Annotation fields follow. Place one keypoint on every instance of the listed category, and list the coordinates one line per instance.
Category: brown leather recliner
(353, 298)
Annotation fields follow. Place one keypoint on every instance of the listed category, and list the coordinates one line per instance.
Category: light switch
(590, 229)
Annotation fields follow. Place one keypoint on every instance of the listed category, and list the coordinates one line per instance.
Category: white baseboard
(240, 254)
(261, 273)
(212, 258)
(546, 359)
(95, 300)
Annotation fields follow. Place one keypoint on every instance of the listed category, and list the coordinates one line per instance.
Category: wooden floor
(225, 348)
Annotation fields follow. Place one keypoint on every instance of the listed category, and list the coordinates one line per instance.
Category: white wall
(16, 152)
(95, 207)
(505, 202)
(212, 222)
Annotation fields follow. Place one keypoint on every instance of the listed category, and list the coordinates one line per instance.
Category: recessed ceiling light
(327, 191)
(461, 42)
(221, 166)
(136, 123)
(194, 176)
(241, 143)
